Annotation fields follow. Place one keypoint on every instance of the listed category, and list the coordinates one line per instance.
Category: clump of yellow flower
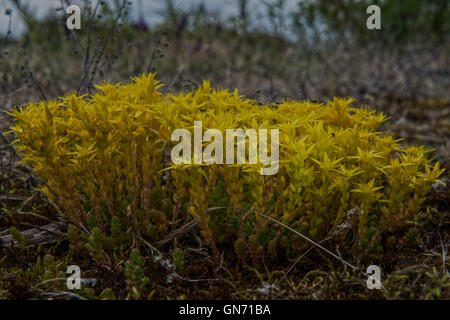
(101, 161)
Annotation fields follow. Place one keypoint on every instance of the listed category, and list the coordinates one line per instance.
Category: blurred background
(268, 49)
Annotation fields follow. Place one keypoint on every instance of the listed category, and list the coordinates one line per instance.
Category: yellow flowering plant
(102, 160)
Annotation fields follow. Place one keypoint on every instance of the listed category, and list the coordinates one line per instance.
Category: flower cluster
(103, 163)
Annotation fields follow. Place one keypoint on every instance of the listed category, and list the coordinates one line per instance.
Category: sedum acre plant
(103, 163)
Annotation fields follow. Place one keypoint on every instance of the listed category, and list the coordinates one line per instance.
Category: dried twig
(36, 235)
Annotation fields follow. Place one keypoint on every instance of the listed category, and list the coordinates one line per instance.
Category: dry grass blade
(176, 233)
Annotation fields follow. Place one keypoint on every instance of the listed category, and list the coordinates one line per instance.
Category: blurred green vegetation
(401, 21)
